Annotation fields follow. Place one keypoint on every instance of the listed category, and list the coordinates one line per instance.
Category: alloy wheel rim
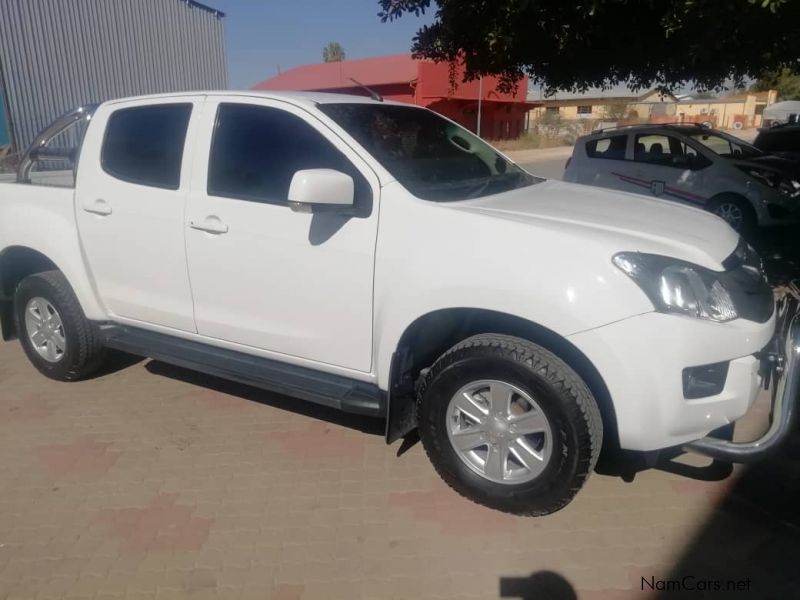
(499, 431)
(730, 213)
(45, 329)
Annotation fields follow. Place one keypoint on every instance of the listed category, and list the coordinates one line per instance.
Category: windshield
(431, 157)
(725, 146)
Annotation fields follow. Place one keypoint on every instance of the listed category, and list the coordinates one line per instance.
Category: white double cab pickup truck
(378, 258)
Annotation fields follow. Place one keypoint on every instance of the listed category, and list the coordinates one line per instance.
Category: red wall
(418, 82)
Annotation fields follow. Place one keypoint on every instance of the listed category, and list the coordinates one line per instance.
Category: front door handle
(210, 225)
(98, 207)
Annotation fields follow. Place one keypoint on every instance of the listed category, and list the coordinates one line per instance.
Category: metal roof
(382, 70)
(56, 55)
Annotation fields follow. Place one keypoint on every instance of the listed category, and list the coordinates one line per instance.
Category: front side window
(430, 156)
(610, 147)
(144, 144)
(257, 150)
(724, 146)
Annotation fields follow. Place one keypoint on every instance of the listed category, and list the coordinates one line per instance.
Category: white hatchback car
(694, 165)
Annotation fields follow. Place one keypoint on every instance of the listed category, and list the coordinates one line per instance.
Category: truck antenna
(372, 93)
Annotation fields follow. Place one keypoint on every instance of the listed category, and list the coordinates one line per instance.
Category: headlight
(774, 180)
(679, 287)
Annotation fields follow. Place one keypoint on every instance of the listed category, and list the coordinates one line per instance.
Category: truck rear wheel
(55, 335)
(509, 425)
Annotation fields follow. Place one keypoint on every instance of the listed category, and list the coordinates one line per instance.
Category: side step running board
(339, 392)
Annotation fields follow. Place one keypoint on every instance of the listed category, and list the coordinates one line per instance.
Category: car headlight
(773, 179)
(679, 287)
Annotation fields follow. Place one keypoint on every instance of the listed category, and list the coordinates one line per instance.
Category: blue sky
(260, 35)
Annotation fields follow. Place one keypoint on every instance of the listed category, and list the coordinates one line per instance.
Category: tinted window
(611, 147)
(653, 149)
(668, 151)
(779, 141)
(257, 150)
(724, 146)
(433, 158)
(144, 144)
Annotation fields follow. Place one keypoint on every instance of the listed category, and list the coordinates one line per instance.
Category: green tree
(333, 52)
(784, 80)
(600, 43)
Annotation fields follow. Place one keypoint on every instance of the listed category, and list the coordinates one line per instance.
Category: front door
(130, 200)
(263, 276)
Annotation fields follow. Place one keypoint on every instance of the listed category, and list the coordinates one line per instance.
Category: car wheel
(509, 425)
(736, 211)
(55, 335)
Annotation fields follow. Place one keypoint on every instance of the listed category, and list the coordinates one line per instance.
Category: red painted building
(421, 82)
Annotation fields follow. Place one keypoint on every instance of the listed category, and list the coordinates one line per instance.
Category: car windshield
(430, 156)
(725, 146)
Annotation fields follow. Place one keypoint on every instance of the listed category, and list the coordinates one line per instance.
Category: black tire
(83, 354)
(749, 220)
(563, 397)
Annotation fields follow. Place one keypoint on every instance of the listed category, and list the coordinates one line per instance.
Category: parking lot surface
(154, 482)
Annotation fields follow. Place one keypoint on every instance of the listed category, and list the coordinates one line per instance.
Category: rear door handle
(98, 207)
(210, 225)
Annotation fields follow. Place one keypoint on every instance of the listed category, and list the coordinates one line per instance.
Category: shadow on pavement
(753, 534)
(361, 423)
(544, 585)
(117, 361)
(748, 547)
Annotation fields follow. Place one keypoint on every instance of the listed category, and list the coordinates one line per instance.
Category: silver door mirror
(320, 189)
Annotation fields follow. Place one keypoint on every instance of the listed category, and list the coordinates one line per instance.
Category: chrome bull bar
(786, 369)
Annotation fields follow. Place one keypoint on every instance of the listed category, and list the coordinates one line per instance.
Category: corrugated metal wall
(59, 54)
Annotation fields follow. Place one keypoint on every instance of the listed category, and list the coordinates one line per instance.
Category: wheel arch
(16, 263)
(431, 335)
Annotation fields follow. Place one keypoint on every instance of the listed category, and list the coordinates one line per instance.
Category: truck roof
(299, 98)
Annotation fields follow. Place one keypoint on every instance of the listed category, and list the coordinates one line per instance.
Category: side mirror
(320, 189)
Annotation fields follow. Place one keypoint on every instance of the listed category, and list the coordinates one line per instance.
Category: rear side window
(144, 144)
(610, 147)
(257, 150)
(656, 149)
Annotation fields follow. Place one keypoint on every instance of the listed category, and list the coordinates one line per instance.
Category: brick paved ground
(153, 482)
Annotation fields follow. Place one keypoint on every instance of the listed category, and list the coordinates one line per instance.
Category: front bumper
(641, 361)
(774, 208)
(782, 362)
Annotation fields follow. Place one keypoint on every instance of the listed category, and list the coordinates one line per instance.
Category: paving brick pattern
(154, 482)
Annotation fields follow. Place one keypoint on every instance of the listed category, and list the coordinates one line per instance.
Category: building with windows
(736, 111)
(57, 55)
(611, 104)
(424, 83)
(618, 104)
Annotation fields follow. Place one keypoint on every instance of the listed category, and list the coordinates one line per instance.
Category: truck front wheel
(509, 425)
(55, 335)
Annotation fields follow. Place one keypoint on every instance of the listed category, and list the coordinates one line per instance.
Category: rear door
(130, 201)
(605, 156)
(666, 167)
